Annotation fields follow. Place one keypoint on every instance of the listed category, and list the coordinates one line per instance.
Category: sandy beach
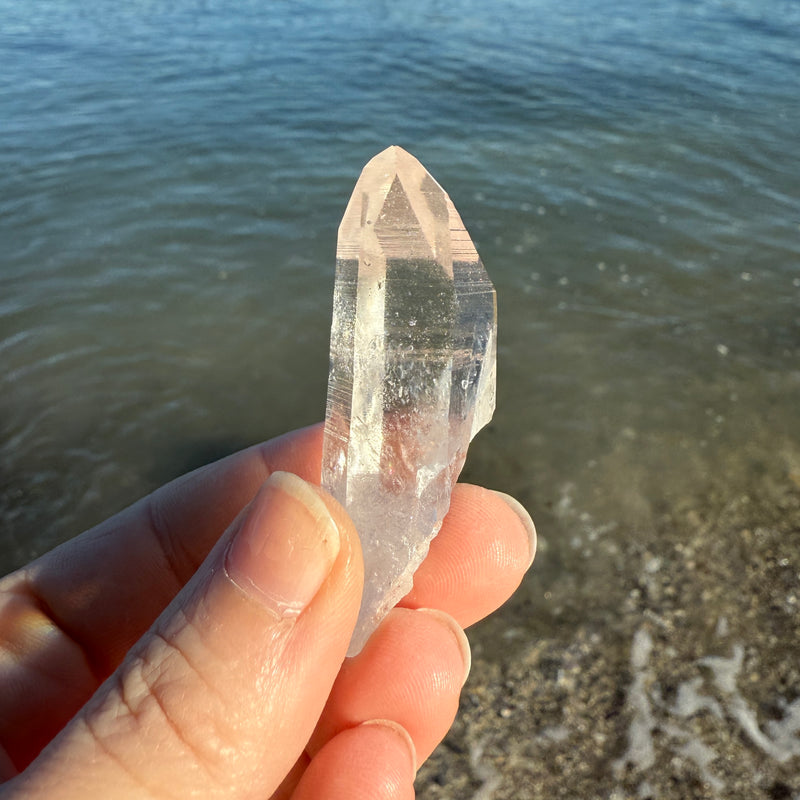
(684, 684)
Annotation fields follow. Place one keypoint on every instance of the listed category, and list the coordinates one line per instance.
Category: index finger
(67, 619)
(105, 587)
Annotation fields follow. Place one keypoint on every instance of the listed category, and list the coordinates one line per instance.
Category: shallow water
(171, 180)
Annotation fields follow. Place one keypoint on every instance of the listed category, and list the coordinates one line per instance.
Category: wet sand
(684, 684)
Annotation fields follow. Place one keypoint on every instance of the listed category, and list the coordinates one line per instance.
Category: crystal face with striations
(412, 370)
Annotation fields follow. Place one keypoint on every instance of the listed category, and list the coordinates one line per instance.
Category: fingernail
(458, 633)
(286, 546)
(526, 520)
(401, 733)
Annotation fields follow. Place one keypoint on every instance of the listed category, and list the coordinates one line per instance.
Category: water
(171, 180)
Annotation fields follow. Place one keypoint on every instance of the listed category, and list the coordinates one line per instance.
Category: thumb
(219, 698)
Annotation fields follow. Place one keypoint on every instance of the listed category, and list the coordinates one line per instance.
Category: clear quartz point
(412, 370)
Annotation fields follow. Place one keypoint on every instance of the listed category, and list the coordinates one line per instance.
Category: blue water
(172, 176)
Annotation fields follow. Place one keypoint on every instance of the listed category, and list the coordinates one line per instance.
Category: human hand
(193, 645)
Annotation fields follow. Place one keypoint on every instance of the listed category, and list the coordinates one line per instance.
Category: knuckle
(161, 703)
(179, 560)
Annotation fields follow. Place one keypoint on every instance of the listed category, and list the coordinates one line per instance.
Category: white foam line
(785, 744)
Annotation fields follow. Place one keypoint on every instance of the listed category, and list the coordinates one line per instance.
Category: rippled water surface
(171, 180)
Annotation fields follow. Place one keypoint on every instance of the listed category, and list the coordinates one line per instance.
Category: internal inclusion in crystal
(412, 370)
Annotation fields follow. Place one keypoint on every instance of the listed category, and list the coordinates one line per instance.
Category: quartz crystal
(412, 370)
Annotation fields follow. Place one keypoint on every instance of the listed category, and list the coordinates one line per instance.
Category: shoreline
(685, 685)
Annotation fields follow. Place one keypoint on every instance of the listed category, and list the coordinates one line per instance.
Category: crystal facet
(412, 370)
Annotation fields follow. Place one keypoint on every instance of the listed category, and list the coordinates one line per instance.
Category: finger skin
(44, 678)
(219, 698)
(369, 762)
(286, 790)
(7, 768)
(411, 671)
(93, 584)
(476, 562)
(67, 620)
